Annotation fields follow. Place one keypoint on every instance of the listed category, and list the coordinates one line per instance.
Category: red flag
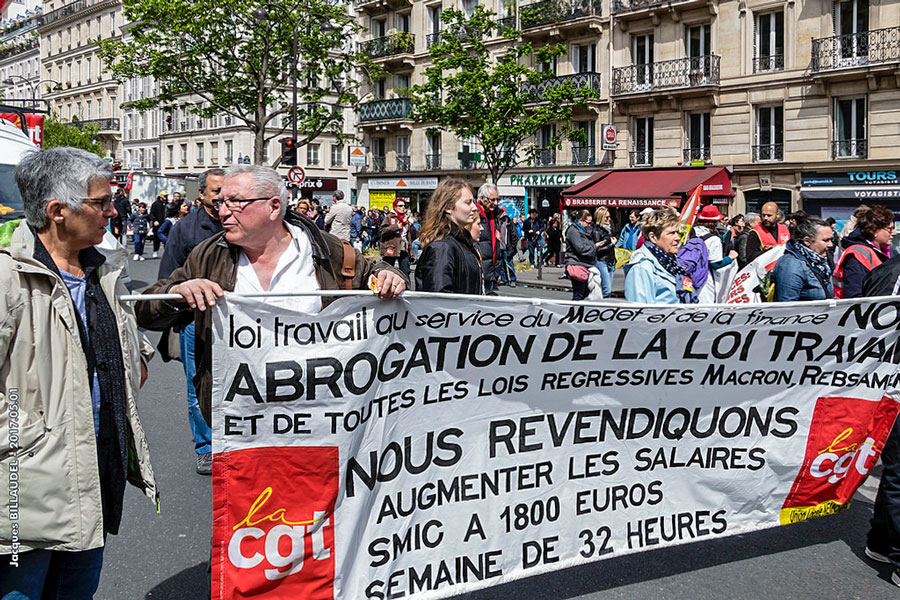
(689, 213)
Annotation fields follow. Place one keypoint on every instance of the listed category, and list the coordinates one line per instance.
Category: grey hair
(266, 182)
(338, 196)
(807, 227)
(205, 175)
(486, 188)
(750, 217)
(63, 174)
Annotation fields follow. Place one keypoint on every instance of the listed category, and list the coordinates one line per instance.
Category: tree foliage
(492, 96)
(57, 133)
(218, 57)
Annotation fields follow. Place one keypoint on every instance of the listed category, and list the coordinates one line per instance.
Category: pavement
(164, 556)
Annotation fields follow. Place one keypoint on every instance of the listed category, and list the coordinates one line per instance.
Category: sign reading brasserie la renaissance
(426, 447)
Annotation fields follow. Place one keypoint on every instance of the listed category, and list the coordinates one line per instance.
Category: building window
(229, 152)
(583, 152)
(851, 26)
(698, 138)
(184, 156)
(402, 88)
(312, 154)
(200, 151)
(642, 58)
(170, 153)
(850, 128)
(769, 134)
(583, 58)
(642, 146)
(768, 51)
(378, 152)
(214, 153)
(546, 154)
(337, 155)
(433, 149)
(403, 153)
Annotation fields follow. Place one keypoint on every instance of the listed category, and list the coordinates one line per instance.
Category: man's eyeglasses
(235, 204)
(104, 203)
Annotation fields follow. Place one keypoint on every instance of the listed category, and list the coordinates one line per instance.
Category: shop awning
(636, 188)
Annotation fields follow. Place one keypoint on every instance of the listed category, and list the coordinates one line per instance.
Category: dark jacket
(139, 223)
(855, 271)
(157, 212)
(882, 280)
(215, 259)
(607, 253)
(488, 244)
(580, 246)
(795, 280)
(392, 242)
(450, 265)
(356, 225)
(185, 236)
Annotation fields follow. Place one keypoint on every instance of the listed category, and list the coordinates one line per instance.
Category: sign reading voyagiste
(428, 447)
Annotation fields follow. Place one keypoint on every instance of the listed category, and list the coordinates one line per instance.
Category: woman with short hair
(654, 276)
(449, 261)
(802, 272)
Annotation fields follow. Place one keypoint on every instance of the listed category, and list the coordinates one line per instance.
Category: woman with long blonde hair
(449, 261)
(605, 238)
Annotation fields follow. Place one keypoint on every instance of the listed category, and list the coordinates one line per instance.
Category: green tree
(216, 57)
(57, 133)
(493, 96)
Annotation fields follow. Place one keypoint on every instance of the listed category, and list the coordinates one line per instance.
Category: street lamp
(9, 81)
(262, 14)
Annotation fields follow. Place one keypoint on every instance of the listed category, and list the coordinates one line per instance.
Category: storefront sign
(403, 183)
(866, 178)
(620, 202)
(381, 199)
(544, 180)
(323, 184)
(357, 156)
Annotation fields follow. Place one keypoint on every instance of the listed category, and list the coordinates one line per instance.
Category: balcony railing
(381, 110)
(536, 91)
(553, 11)
(432, 38)
(106, 124)
(12, 50)
(379, 164)
(403, 162)
(583, 155)
(624, 6)
(692, 154)
(401, 43)
(858, 148)
(764, 64)
(71, 9)
(545, 158)
(768, 152)
(692, 72)
(641, 158)
(432, 162)
(856, 49)
(506, 23)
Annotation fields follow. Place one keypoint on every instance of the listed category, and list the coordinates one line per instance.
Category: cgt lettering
(835, 466)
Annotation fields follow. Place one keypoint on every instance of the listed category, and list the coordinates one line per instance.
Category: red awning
(636, 188)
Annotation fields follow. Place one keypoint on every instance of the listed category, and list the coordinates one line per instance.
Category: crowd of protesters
(242, 234)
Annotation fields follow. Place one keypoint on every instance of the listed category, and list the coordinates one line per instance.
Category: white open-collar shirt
(295, 272)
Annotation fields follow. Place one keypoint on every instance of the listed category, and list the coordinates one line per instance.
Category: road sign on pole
(296, 175)
(609, 137)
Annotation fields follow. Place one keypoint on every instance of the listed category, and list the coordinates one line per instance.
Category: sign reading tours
(428, 447)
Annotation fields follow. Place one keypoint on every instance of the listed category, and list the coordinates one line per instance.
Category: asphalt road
(165, 556)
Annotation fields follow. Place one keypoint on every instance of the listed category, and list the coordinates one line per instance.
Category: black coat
(450, 265)
(157, 212)
(882, 280)
(607, 253)
(580, 247)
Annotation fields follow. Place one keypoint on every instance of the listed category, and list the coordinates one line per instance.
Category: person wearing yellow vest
(865, 248)
(767, 234)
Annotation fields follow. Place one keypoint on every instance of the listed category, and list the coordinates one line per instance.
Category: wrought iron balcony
(432, 38)
(768, 152)
(553, 11)
(858, 148)
(625, 6)
(583, 155)
(403, 162)
(383, 110)
(107, 124)
(764, 64)
(506, 23)
(685, 73)
(390, 45)
(545, 158)
(379, 164)
(856, 50)
(12, 50)
(692, 154)
(536, 91)
(641, 158)
(72, 9)
(432, 162)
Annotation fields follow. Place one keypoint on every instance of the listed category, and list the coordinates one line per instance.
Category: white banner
(426, 448)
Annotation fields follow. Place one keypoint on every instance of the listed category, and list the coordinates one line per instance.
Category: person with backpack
(719, 276)
(867, 246)
(802, 273)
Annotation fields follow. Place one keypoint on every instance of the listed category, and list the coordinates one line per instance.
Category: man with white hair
(490, 243)
(262, 248)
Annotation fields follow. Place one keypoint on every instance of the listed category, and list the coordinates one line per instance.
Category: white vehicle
(13, 144)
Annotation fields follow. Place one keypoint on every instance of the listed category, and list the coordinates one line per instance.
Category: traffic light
(288, 151)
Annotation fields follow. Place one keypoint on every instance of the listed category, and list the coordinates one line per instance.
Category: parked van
(13, 144)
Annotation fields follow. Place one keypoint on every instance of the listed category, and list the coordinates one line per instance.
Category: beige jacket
(45, 403)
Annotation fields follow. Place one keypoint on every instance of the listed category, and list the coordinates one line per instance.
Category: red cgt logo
(845, 439)
(273, 523)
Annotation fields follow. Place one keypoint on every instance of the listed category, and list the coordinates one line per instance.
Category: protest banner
(428, 447)
(745, 285)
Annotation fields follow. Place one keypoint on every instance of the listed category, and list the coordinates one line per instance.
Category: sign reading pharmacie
(430, 447)
(562, 180)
